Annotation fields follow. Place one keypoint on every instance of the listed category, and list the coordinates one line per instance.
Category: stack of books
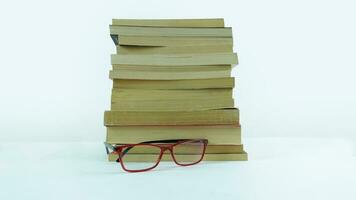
(172, 80)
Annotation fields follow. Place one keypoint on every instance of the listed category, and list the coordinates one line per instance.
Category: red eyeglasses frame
(119, 149)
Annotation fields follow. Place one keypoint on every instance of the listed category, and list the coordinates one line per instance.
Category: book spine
(120, 118)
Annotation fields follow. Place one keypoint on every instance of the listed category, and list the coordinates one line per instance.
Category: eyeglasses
(147, 155)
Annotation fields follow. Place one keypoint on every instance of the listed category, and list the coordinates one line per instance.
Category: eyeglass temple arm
(109, 147)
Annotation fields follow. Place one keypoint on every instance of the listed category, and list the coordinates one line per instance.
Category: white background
(296, 79)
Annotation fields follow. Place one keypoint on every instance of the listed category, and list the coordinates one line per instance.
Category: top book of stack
(171, 32)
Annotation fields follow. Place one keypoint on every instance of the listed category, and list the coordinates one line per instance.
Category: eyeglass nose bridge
(164, 148)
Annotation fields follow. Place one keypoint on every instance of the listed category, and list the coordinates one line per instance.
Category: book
(174, 84)
(127, 49)
(186, 158)
(207, 117)
(171, 68)
(213, 22)
(176, 59)
(140, 94)
(172, 105)
(150, 72)
(170, 41)
(185, 150)
(162, 75)
(171, 100)
(170, 31)
(216, 134)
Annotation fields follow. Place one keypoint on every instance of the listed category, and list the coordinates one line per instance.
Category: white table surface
(277, 169)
